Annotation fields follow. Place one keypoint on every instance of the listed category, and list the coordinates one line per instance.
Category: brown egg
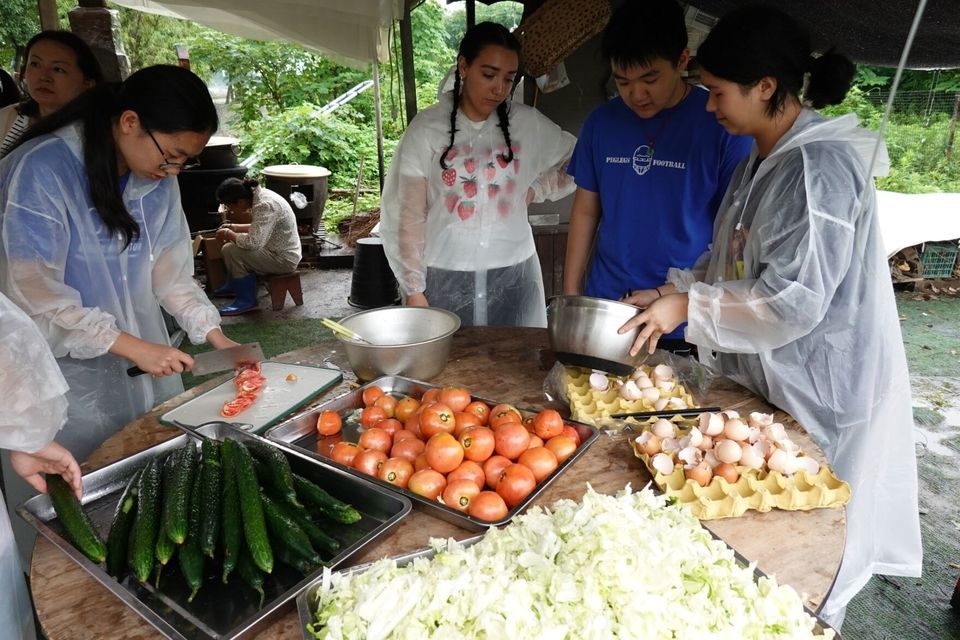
(727, 471)
(701, 474)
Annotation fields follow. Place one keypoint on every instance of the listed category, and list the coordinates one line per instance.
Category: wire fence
(919, 103)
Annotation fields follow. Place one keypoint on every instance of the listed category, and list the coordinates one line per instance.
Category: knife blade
(218, 359)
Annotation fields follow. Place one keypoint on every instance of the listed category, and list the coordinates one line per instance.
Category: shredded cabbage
(625, 566)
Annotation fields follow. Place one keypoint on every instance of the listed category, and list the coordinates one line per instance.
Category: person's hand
(662, 316)
(161, 360)
(51, 459)
(416, 300)
(218, 340)
(642, 298)
(531, 194)
(226, 235)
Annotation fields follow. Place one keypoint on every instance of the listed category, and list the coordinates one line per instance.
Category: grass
(931, 334)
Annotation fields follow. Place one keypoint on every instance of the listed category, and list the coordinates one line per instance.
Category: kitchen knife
(218, 359)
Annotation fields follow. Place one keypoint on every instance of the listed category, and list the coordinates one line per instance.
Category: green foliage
(912, 80)
(150, 39)
(455, 22)
(19, 20)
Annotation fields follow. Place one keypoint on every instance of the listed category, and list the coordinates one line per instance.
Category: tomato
(572, 433)
(376, 439)
(488, 506)
(430, 396)
(235, 406)
(370, 395)
(406, 407)
(325, 444)
(477, 443)
(480, 409)
(345, 453)
(516, 483)
(250, 386)
(540, 460)
(548, 424)
(328, 423)
(408, 449)
(471, 471)
(493, 467)
(503, 413)
(396, 471)
(457, 398)
(459, 493)
(391, 426)
(421, 462)
(435, 419)
(291, 377)
(369, 461)
(412, 424)
(403, 434)
(427, 483)
(444, 453)
(464, 421)
(562, 447)
(387, 403)
(511, 439)
(370, 416)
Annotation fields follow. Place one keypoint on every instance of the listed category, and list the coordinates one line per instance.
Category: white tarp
(908, 219)
(353, 31)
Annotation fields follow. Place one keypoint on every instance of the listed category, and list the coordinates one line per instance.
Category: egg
(751, 456)
(665, 385)
(644, 382)
(690, 456)
(766, 448)
(630, 391)
(728, 451)
(662, 372)
(678, 403)
(782, 461)
(660, 404)
(669, 445)
(706, 443)
(753, 434)
(650, 394)
(662, 464)
(700, 473)
(599, 381)
(711, 459)
(648, 443)
(695, 437)
(736, 429)
(808, 465)
(758, 419)
(664, 429)
(775, 432)
(711, 424)
(727, 471)
(730, 414)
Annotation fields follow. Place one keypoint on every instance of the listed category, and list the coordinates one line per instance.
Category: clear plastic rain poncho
(59, 263)
(35, 409)
(797, 304)
(461, 235)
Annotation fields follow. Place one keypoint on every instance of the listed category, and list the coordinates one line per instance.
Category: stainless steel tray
(300, 433)
(217, 611)
(306, 601)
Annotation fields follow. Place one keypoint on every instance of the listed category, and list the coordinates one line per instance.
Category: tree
(19, 21)
(455, 21)
(151, 39)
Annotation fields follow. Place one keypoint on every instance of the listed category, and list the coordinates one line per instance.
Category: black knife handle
(135, 371)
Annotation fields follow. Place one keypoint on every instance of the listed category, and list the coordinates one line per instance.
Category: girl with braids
(454, 207)
(794, 299)
(94, 243)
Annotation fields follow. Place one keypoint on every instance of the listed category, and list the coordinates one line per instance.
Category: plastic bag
(298, 199)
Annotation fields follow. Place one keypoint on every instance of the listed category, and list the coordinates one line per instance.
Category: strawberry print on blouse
(466, 209)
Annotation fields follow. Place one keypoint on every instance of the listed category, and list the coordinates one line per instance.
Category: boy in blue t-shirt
(651, 166)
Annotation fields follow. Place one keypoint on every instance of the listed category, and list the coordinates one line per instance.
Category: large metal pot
(407, 341)
(583, 333)
(220, 153)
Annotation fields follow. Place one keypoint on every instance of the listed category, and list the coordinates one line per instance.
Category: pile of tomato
(449, 447)
(249, 381)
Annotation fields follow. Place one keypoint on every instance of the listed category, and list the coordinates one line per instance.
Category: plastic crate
(938, 260)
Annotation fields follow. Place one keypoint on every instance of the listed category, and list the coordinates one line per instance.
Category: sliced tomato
(250, 386)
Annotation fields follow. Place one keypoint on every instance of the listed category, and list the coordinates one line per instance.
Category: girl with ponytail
(794, 299)
(454, 207)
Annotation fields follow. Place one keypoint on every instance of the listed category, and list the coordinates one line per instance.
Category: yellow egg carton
(757, 489)
(593, 406)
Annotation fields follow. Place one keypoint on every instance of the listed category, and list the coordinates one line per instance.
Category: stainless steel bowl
(407, 341)
(583, 333)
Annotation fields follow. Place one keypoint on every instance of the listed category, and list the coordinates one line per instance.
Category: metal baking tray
(306, 601)
(300, 433)
(218, 612)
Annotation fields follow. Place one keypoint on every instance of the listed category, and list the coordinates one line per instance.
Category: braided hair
(476, 39)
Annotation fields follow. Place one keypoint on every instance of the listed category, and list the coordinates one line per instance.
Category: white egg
(711, 459)
(711, 424)
(809, 465)
(751, 456)
(599, 381)
(644, 382)
(730, 414)
(775, 432)
(690, 456)
(736, 429)
(662, 372)
(650, 394)
(669, 445)
(661, 404)
(677, 403)
(636, 373)
(662, 464)
(753, 434)
(630, 391)
(777, 461)
(758, 419)
(707, 443)
(664, 429)
(666, 385)
(695, 436)
(728, 451)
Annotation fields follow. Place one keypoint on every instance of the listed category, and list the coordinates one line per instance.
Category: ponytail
(453, 119)
(233, 190)
(831, 76)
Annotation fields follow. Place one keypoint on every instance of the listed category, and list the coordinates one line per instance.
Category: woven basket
(556, 29)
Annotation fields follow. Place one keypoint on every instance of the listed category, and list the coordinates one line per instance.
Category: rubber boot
(228, 290)
(246, 300)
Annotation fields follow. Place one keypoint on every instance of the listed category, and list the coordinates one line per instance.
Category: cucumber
(289, 558)
(315, 497)
(74, 519)
(177, 495)
(211, 474)
(191, 557)
(251, 509)
(250, 573)
(278, 474)
(119, 534)
(285, 530)
(318, 537)
(165, 547)
(231, 529)
(143, 537)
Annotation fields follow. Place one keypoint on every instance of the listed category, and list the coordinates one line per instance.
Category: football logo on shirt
(642, 159)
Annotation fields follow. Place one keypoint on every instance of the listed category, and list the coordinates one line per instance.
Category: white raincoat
(35, 408)
(797, 304)
(461, 235)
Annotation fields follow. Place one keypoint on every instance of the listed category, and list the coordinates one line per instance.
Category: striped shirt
(19, 126)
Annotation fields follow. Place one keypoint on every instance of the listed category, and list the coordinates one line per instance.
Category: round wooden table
(801, 548)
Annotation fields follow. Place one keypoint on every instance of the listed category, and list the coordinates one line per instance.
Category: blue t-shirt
(660, 181)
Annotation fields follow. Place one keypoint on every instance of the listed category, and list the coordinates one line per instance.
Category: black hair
(9, 91)
(475, 40)
(755, 42)
(167, 99)
(86, 62)
(642, 31)
(233, 190)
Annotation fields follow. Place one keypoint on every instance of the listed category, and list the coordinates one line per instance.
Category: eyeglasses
(166, 165)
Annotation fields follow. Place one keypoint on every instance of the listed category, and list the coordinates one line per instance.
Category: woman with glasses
(94, 243)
